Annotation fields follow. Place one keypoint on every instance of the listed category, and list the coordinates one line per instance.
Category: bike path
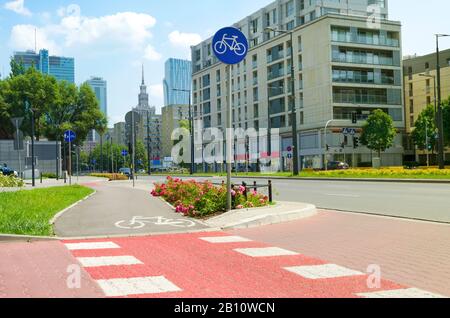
(117, 209)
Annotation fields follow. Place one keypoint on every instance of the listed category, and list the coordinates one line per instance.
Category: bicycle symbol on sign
(138, 222)
(230, 43)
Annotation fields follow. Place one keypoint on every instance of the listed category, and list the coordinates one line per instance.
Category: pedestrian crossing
(138, 267)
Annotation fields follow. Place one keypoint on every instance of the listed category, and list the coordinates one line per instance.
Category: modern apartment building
(99, 86)
(62, 68)
(177, 82)
(347, 63)
(171, 116)
(419, 87)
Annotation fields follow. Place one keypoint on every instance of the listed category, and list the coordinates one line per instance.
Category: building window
(411, 106)
(411, 123)
(254, 25)
(290, 8)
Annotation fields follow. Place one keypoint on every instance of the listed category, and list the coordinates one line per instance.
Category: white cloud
(151, 54)
(22, 38)
(18, 6)
(123, 30)
(156, 91)
(184, 40)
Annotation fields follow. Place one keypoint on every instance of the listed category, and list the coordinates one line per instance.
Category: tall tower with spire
(143, 96)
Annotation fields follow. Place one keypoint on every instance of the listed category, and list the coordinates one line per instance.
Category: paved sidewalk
(39, 270)
(409, 252)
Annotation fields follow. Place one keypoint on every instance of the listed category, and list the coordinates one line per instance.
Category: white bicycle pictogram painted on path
(139, 222)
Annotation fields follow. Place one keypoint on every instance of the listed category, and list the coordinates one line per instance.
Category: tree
(6, 128)
(446, 115)
(425, 126)
(378, 132)
(39, 90)
(17, 68)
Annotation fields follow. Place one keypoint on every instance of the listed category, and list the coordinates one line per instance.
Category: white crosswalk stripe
(108, 261)
(225, 239)
(91, 246)
(401, 293)
(137, 286)
(322, 271)
(265, 252)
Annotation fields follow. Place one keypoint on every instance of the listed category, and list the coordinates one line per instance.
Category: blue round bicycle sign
(69, 136)
(230, 45)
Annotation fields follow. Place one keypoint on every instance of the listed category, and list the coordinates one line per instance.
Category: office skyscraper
(99, 86)
(178, 76)
(62, 68)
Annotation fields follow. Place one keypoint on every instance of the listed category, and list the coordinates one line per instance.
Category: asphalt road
(421, 201)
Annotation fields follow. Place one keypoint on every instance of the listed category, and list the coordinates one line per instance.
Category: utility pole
(149, 153)
(133, 134)
(440, 121)
(33, 181)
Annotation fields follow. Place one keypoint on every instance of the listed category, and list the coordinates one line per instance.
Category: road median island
(248, 218)
(30, 213)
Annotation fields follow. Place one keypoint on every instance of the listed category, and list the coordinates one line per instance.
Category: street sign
(17, 122)
(69, 136)
(230, 45)
(94, 161)
(289, 156)
(289, 148)
(349, 131)
(124, 153)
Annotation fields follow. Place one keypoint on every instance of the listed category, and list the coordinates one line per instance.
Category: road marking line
(322, 271)
(265, 252)
(137, 286)
(343, 195)
(401, 293)
(91, 246)
(108, 261)
(225, 239)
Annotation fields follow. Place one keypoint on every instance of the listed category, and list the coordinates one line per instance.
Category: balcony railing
(275, 57)
(360, 39)
(369, 99)
(365, 79)
(365, 60)
(273, 75)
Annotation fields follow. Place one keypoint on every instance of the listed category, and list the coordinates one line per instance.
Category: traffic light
(354, 118)
(328, 148)
(355, 142)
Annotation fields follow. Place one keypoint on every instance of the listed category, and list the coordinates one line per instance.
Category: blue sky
(111, 38)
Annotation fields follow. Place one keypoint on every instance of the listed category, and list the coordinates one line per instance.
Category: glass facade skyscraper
(62, 68)
(178, 76)
(99, 86)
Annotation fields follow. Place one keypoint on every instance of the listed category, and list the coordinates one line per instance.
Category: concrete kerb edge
(269, 219)
(429, 181)
(59, 214)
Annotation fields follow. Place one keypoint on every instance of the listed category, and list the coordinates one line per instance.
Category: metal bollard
(41, 177)
(65, 176)
(270, 192)
(245, 191)
(254, 184)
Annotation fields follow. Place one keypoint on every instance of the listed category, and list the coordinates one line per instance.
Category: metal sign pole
(133, 124)
(70, 161)
(229, 139)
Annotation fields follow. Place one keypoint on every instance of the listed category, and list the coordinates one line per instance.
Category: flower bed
(200, 199)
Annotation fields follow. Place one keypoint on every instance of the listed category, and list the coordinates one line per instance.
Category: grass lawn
(29, 212)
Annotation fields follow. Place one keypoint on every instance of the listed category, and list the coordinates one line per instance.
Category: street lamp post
(27, 106)
(435, 112)
(441, 158)
(294, 108)
(191, 126)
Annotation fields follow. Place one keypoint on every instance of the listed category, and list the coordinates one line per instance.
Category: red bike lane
(219, 265)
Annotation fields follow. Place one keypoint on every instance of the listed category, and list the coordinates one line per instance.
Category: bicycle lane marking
(139, 222)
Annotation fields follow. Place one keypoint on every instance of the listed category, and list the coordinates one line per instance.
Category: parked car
(8, 172)
(338, 165)
(125, 171)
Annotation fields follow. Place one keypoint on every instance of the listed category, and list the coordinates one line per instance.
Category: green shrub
(110, 176)
(10, 182)
(49, 175)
